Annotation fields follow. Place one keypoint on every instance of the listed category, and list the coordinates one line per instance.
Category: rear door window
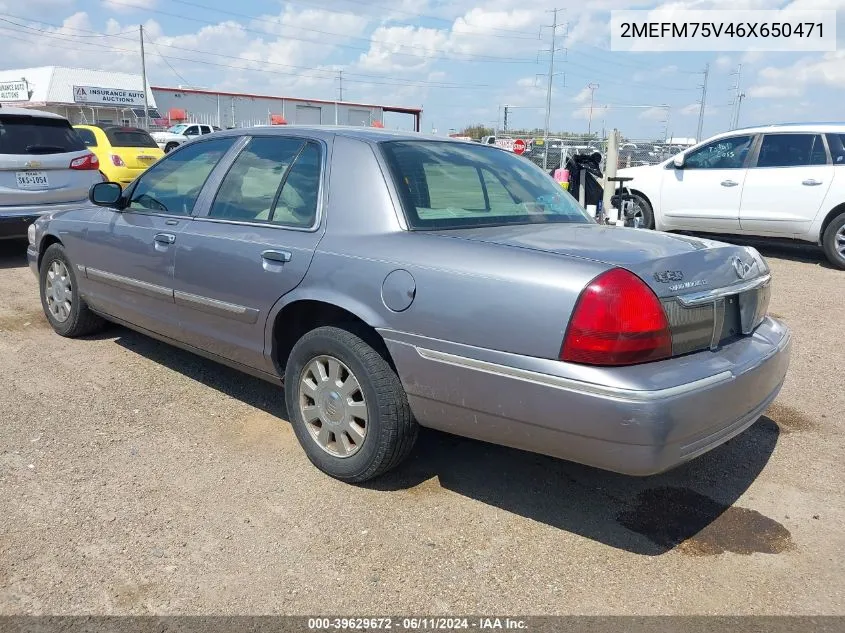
(836, 143)
(724, 153)
(129, 137)
(791, 150)
(37, 135)
(87, 137)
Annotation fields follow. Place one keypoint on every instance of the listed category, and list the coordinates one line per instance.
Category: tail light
(89, 161)
(117, 161)
(617, 320)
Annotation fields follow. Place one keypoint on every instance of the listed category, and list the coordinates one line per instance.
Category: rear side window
(791, 150)
(273, 180)
(724, 153)
(129, 137)
(836, 143)
(37, 135)
(87, 137)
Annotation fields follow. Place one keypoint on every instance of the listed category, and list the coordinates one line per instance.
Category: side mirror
(105, 194)
(678, 161)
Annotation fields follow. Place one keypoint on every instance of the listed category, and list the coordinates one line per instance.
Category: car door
(191, 132)
(252, 244)
(206, 129)
(785, 187)
(705, 194)
(129, 252)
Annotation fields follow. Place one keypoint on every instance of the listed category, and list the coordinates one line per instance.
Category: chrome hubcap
(839, 241)
(58, 291)
(332, 405)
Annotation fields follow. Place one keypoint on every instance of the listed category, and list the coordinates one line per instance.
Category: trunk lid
(135, 146)
(670, 264)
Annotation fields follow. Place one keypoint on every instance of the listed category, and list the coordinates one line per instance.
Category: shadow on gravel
(12, 254)
(690, 508)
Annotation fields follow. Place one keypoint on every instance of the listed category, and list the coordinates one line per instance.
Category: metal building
(98, 96)
(235, 109)
(81, 95)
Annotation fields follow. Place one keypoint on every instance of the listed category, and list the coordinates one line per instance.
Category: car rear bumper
(14, 221)
(637, 421)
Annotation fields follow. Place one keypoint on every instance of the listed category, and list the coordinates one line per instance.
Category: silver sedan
(391, 281)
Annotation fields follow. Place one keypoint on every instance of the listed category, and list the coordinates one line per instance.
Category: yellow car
(124, 152)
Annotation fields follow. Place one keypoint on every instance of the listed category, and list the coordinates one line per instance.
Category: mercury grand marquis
(392, 281)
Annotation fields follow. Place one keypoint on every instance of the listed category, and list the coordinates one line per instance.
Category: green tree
(477, 131)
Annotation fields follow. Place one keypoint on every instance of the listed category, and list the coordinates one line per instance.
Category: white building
(83, 96)
(97, 96)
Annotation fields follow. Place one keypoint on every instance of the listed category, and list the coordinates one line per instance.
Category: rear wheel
(170, 147)
(64, 308)
(833, 241)
(347, 406)
(643, 211)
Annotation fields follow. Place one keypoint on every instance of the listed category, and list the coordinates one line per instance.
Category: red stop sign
(518, 146)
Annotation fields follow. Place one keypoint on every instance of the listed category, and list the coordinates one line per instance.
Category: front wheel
(347, 406)
(64, 308)
(170, 147)
(833, 241)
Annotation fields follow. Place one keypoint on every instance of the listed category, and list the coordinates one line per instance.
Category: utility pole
(703, 101)
(739, 99)
(551, 52)
(735, 101)
(144, 81)
(592, 88)
(233, 113)
(505, 121)
(340, 85)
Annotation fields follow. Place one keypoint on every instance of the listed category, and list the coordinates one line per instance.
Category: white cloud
(403, 48)
(827, 69)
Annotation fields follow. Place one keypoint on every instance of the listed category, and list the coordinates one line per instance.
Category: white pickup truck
(175, 135)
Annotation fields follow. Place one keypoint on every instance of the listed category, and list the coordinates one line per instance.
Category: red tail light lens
(89, 161)
(117, 161)
(617, 320)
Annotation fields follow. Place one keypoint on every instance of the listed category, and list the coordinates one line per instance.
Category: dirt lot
(136, 478)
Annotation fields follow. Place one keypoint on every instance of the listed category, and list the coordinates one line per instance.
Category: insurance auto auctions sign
(14, 91)
(108, 96)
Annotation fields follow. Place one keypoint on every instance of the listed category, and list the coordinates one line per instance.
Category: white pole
(549, 93)
(703, 100)
(144, 81)
(610, 172)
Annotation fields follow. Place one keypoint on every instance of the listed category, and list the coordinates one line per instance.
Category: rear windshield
(129, 137)
(37, 135)
(446, 185)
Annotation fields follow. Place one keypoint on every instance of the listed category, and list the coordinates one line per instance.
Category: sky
(461, 60)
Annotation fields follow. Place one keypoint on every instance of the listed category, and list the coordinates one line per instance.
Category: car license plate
(146, 159)
(32, 179)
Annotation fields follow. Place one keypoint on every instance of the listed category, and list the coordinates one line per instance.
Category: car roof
(817, 127)
(29, 112)
(370, 135)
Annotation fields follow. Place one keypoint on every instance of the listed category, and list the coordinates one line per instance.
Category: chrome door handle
(810, 182)
(165, 238)
(729, 183)
(276, 256)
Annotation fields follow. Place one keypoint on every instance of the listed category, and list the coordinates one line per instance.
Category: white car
(175, 135)
(784, 181)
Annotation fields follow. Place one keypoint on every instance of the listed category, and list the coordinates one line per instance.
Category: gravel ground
(136, 478)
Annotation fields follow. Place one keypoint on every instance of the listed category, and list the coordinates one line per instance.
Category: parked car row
(47, 165)
(390, 281)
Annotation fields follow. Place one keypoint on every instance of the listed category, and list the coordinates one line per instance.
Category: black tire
(833, 255)
(391, 430)
(170, 147)
(648, 212)
(80, 320)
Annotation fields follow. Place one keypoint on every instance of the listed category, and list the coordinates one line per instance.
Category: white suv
(785, 181)
(175, 135)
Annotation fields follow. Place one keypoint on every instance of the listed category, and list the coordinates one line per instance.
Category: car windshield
(446, 185)
(129, 137)
(177, 129)
(37, 135)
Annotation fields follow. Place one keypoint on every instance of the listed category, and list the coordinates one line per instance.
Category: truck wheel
(170, 147)
(347, 406)
(64, 308)
(644, 211)
(833, 242)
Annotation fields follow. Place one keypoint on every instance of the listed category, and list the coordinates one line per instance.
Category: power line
(260, 70)
(467, 57)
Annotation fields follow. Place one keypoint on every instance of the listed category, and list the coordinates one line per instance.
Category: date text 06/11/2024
(416, 624)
